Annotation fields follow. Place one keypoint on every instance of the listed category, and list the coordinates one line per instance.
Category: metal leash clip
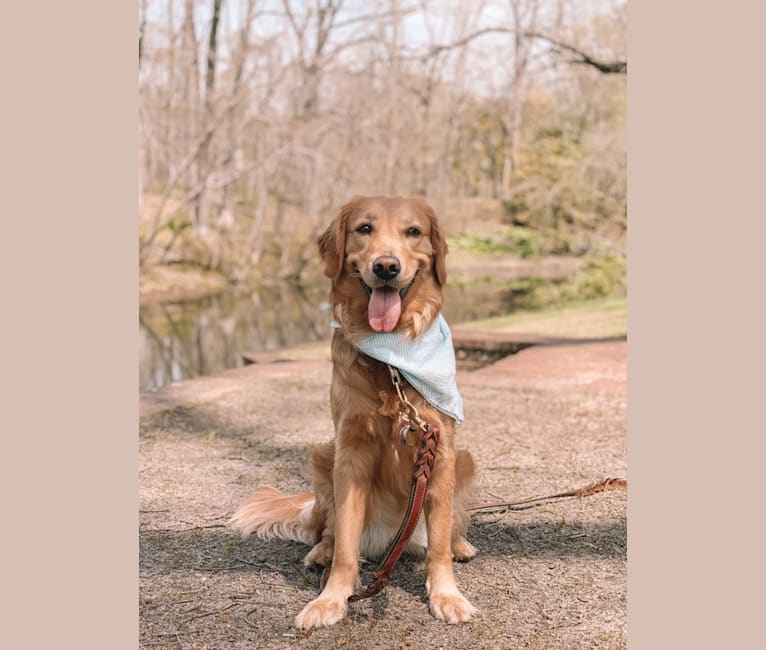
(408, 414)
(407, 435)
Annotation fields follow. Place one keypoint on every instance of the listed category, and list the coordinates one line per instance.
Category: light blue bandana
(427, 363)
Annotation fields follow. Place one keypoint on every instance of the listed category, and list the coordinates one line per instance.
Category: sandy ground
(543, 420)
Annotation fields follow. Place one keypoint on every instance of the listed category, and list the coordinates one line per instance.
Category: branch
(369, 19)
(611, 67)
(605, 67)
(436, 49)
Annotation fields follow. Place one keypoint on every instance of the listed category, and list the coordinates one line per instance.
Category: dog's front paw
(320, 611)
(452, 607)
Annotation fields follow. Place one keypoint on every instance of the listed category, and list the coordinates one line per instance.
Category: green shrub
(474, 243)
(603, 277)
(525, 242)
(516, 240)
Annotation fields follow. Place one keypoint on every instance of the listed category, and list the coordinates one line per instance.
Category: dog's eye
(364, 229)
(413, 232)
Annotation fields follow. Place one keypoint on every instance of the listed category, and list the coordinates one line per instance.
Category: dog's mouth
(385, 304)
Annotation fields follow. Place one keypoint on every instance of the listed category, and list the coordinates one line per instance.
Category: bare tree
(250, 139)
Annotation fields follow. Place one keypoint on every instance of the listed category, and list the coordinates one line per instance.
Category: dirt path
(540, 421)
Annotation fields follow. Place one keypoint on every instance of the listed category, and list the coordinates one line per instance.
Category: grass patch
(516, 240)
(472, 242)
(315, 352)
(602, 318)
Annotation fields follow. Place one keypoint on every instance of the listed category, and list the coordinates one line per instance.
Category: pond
(180, 340)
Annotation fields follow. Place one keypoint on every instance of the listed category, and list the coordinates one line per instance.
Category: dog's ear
(438, 243)
(332, 242)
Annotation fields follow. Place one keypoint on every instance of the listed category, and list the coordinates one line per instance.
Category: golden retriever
(385, 257)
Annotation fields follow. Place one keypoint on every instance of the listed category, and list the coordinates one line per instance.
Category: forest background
(259, 118)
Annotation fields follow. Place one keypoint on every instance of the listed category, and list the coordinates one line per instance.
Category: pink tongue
(384, 309)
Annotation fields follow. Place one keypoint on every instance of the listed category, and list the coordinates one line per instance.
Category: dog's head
(385, 257)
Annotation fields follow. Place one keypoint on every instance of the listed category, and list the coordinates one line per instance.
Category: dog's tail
(269, 513)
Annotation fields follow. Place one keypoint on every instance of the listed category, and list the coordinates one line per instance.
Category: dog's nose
(386, 267)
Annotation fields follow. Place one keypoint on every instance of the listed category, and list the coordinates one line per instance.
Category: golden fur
(361, 479)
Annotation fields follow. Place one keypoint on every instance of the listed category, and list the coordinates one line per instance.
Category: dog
(385, 257)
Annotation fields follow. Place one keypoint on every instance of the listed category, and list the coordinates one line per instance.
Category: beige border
(695, 170)
(70, 543)
(69, 359)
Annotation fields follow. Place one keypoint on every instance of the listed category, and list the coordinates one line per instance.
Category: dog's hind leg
(465, 470)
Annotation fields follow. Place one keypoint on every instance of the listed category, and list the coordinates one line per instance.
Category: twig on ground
(185, 530)
(206, 614)
(490, 585)
(525, 504)
(274, 584)
(260, 564)
(168, 634)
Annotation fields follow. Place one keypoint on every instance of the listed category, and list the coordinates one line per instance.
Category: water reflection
(179, 340)
(185, 339)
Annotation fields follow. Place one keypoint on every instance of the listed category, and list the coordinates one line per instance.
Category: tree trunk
(212, 55)
(191, 102)
(142, 33)
(206, 155)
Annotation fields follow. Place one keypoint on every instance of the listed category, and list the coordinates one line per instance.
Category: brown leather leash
(424, 463)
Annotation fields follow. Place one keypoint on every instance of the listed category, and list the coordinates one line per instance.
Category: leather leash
(424, 463)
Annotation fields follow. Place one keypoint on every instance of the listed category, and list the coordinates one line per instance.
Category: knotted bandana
(427, 363)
